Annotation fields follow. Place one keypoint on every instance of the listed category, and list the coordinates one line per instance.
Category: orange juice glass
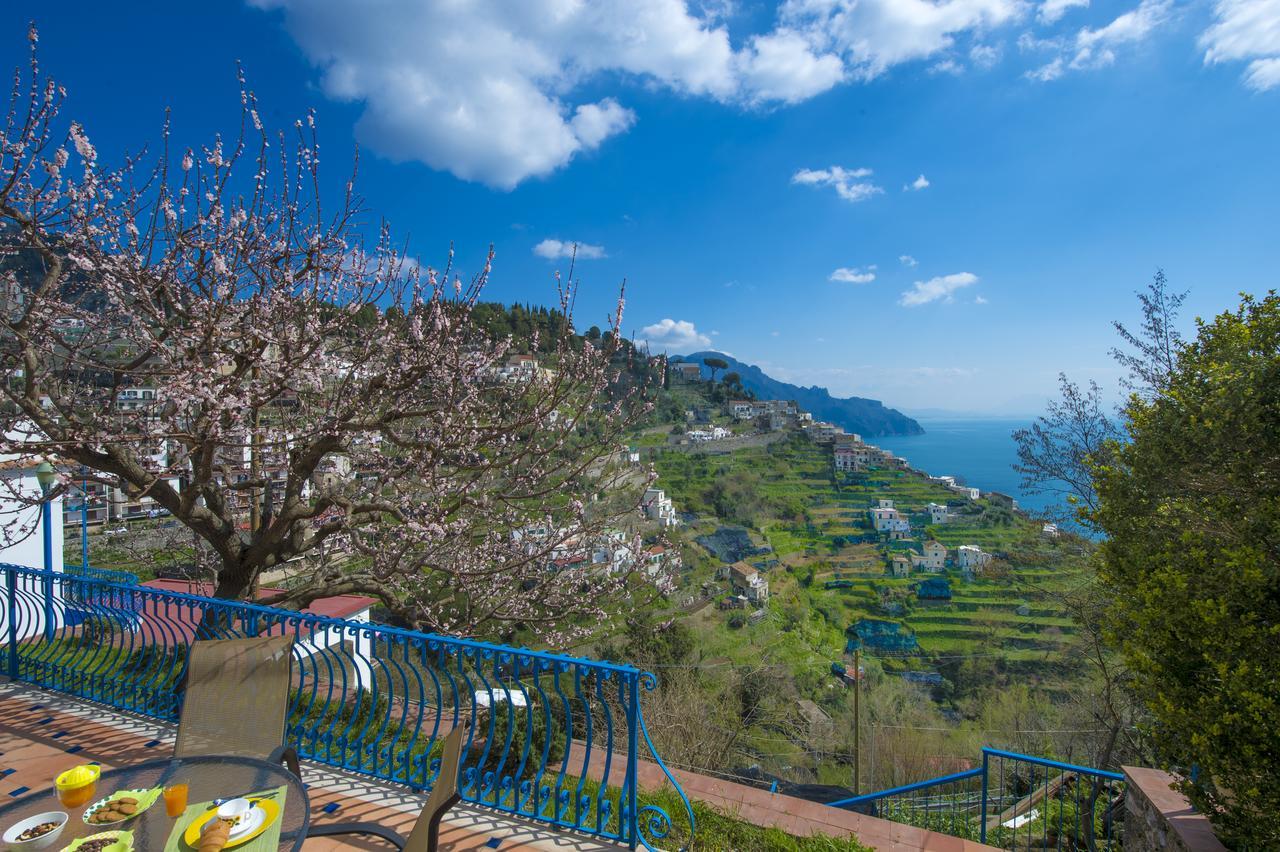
(175, 798)
(76, 786)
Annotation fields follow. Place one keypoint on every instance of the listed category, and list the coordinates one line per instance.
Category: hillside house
(940, 514)
(518, 368)
(971, 557)
(657, 506)
(687, 372)
(899, 529)
(935, 556)
(771, 421)
(883, 517)
(824, 433)
(748, 581)
(783, 407)
(657, 558)
(132, 399)
(884, 503)
(1049, 531)
(742, 409)
(846, 460)
(900, 564)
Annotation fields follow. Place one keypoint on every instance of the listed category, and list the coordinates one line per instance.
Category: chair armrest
(287, 755)
(370, 828)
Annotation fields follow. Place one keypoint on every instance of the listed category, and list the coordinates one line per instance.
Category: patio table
(209, 776)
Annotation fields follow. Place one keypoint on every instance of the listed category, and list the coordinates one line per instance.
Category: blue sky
(937, 204)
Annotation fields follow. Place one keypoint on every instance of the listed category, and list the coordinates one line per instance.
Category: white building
(940, 514)
(971, 556)
(748, 581)
(657, 506)
(824, 433)
(846, 459)
(935, 556)
(22, 536)
(882, 516)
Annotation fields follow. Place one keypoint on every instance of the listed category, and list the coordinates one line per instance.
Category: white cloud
(875, 35)
(552, 249)
(853, 275)
(979, 300)
(1096, 48)
(941, 288)
(485, 89)
(670, 335)
(1051, 70)
(782, 66)
(984, 56)
(908, 260)
(916, 185)
(1246, 31)
(1051, 11)
(495, 91)
(947, 66)
(850, 184)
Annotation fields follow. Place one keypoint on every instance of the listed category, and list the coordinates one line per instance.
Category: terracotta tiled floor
(42, 734)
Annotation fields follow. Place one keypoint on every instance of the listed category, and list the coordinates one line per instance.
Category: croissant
(214, 837)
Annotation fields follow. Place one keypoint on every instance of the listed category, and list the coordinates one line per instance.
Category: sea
(978, 452)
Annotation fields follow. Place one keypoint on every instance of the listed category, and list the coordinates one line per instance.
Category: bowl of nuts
(37, 832)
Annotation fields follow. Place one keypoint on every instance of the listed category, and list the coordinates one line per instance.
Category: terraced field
(1012, 614)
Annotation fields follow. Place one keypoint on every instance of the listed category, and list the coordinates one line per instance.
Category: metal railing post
(982, 834)
(631, 779)
(46, 524)
(11, 581)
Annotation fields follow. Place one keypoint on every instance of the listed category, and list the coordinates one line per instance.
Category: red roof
(338, 606)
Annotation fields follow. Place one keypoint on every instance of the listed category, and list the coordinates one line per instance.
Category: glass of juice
(175, 798)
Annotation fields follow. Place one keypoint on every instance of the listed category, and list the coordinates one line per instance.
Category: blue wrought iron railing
(93, 573)
(1014, 801)
(949, 804)
(554, 738)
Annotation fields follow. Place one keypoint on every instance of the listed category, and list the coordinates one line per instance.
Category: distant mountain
(867, 417)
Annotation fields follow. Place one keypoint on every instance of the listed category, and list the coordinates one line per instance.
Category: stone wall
(1160, 819)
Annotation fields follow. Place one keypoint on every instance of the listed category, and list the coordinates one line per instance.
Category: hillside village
(901, 539)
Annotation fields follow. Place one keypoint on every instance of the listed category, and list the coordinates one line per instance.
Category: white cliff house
(940, 514)
(970, 556)
(657, 506)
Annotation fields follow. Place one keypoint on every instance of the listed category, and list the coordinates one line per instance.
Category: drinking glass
(175, 798)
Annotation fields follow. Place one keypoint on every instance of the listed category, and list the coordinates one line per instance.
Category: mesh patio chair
(425, 836)
(230, 682)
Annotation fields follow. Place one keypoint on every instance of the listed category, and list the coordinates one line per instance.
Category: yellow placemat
(267, 841)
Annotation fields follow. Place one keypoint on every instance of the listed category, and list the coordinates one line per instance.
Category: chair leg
(369, 828)
(433, 827)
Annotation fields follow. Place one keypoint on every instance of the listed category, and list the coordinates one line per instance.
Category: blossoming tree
(209, 329)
